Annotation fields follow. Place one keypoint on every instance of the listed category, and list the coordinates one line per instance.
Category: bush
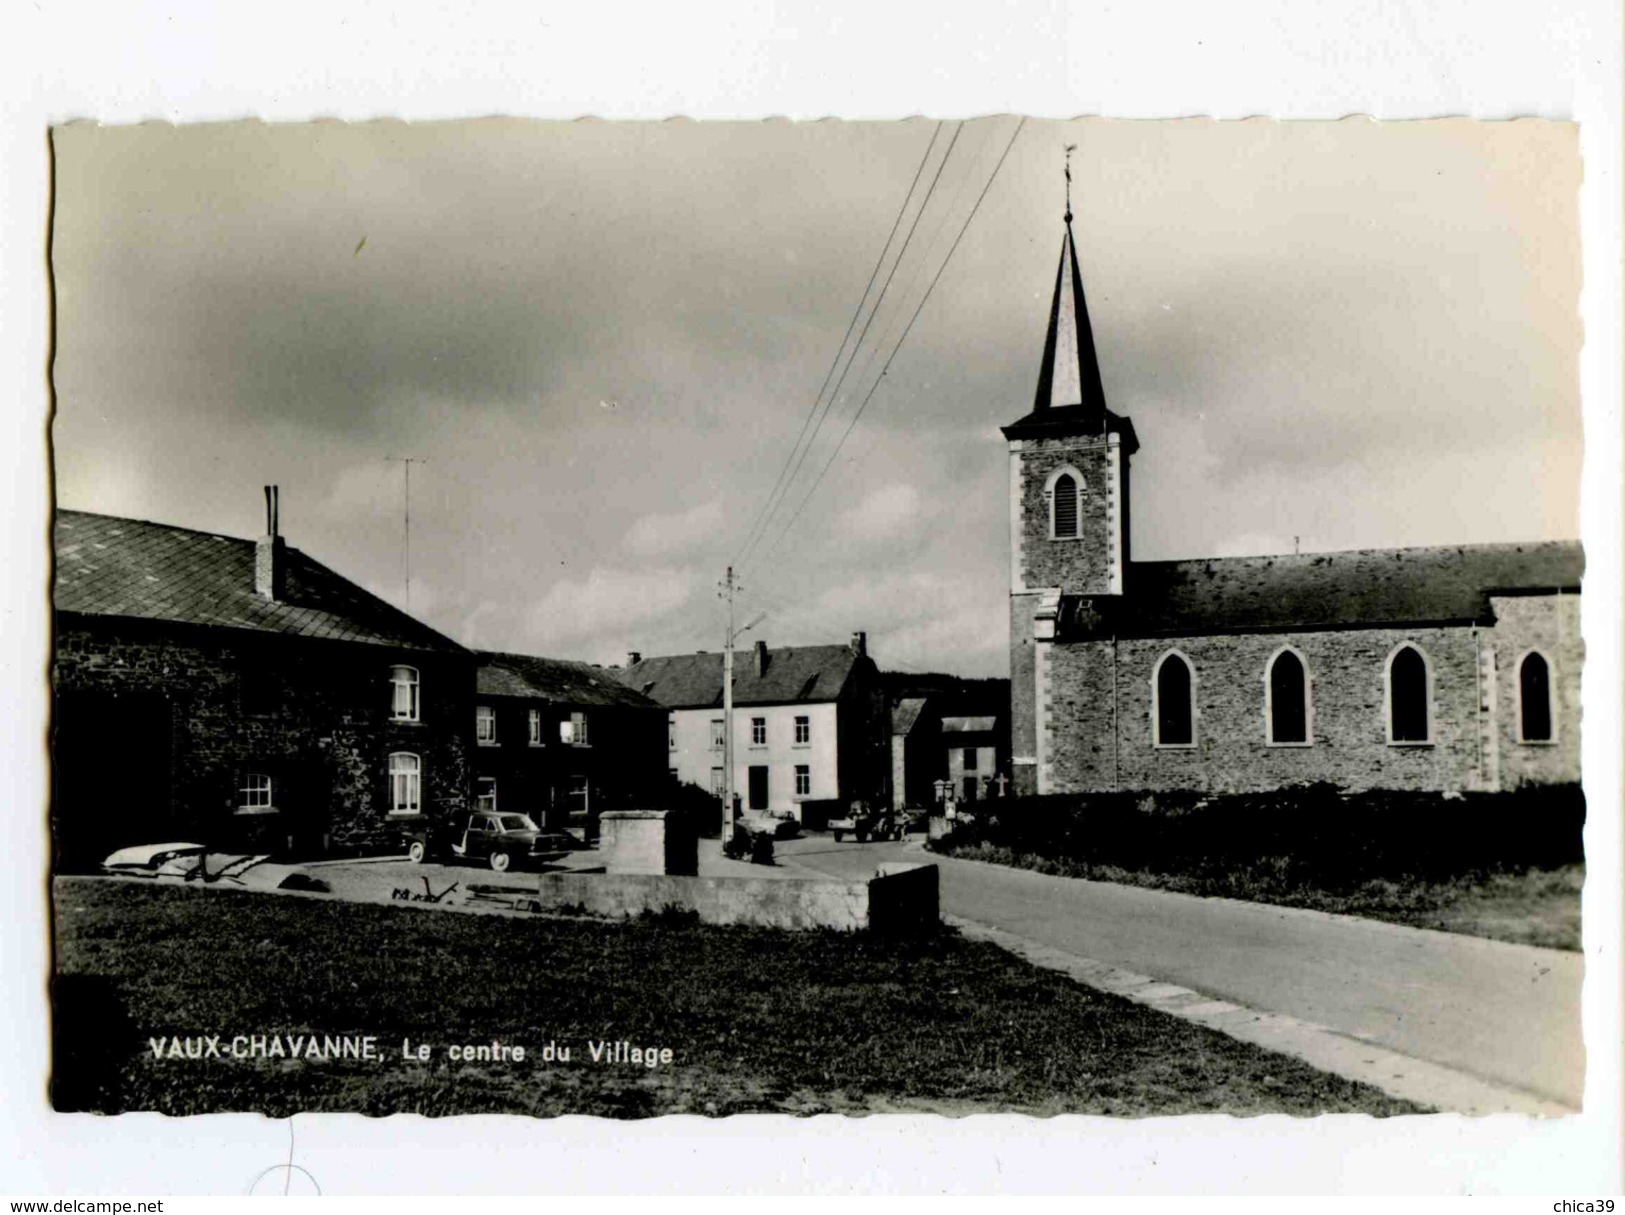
(1310, 834)
(696, 809)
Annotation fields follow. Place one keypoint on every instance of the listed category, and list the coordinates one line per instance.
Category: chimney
(270, 553)
(633, 657)
(860, 644)
(761, 659)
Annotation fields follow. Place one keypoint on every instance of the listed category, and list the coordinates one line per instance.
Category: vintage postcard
(632, 619)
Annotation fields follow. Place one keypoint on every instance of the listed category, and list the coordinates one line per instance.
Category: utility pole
(728, 588)
(406, 463)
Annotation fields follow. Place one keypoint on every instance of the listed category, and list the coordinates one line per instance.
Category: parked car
(501, 840)
(775, 826)
(865, 821)
(188, 862)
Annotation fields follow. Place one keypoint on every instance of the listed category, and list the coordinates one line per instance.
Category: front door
(758, 788)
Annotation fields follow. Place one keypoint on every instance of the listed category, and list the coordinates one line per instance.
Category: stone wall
(900, 899)
(1349, 725)
(1083, 566)
(314, 714)
(1551, 625)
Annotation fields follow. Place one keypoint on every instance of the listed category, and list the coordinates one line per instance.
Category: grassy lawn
(757, 1020)
(1532, 907)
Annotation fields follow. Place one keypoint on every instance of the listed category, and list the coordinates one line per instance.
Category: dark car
(500, 840)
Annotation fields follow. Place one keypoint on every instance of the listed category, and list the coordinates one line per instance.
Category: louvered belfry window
(1066, 507)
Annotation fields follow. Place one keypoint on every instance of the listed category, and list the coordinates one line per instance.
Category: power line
(937, 278)
(879, 300)
(850, 326)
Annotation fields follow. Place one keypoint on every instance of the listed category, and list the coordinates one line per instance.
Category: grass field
(757, 1020)
(1532, 907)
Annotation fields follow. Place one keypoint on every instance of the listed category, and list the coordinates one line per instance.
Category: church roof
(1070, 398)
(809, 674)
(905, 714)
(109, 566)
(1361, 588)
(555, 680)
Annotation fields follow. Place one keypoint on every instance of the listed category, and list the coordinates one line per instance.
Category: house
(973, 757)
(1448, 668)
(810, 728)
(239, 692)
(915, 740)
(561, 741)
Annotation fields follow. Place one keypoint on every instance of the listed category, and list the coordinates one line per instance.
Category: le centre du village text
(335, 1047)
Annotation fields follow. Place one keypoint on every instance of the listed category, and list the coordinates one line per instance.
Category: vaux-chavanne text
(323, 1047)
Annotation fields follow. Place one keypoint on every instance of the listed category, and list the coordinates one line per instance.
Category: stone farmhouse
(561, 741)
(810, 723)
(1450, 668)
(238, 692)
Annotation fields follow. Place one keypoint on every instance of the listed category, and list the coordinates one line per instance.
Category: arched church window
(1173, 712)
(1409, 710)
(1065, 499)
(1287, 704)
(1534, 699)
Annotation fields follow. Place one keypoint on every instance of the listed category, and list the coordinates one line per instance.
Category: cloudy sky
(603, 340)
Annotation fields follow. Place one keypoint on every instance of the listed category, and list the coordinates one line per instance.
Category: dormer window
(404, 703)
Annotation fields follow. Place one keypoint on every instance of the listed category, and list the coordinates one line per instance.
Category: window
(257, 692)
(717, 741)
(574, 731)
(803, 731)
(1172, 711)
(1409, 709)
(1534, 699)
(671, 734)
(405, 783)
(485, 794)
(717, 782)
(485, 724)
(676, 776)
(534, 722)
(967, 762)
(254, 795)
(404, 704)
(578, 796)
(803, 780)
(1065, 501)
(1286, 701)
(758, 731)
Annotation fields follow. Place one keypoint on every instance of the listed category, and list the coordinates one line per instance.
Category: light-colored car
(501, 840)
(774, 826)
(178, 860)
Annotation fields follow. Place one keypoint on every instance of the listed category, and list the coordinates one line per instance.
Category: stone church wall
(1082, 566)
(1349, 714)
(1550, 624)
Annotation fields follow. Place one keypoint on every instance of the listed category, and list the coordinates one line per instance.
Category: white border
(1391, 58)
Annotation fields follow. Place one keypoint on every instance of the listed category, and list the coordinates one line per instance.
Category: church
(1449, 669)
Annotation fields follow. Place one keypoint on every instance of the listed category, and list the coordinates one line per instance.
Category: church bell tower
(1069, 535)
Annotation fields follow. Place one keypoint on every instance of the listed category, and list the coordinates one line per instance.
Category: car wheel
(862, 837)
(500, 861)
(838, 836)
(415, 852)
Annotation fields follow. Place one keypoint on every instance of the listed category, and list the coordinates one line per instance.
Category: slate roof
(1064, 421)
(905, 714)
(108, 566)
(555, 680)
(1366, 587)
(808, 673)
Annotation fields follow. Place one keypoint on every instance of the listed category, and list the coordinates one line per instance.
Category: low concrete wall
(899, 899)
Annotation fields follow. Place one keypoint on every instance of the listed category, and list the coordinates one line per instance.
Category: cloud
(886, 514)
(668, 535)
(609, 599)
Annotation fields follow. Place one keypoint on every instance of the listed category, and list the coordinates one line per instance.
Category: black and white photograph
(635, 619)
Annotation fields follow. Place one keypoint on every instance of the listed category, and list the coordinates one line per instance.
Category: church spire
(1070, 374)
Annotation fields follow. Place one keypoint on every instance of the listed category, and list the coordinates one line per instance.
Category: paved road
(1508, 1014)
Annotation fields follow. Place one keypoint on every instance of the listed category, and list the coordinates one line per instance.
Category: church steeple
(1070, 374)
